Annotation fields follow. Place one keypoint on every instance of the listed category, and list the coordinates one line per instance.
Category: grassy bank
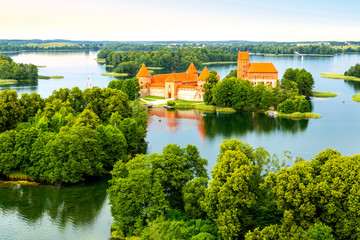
(199, 105)
(154, 68)
(299, 115)
(114, 74)
(277, 55)
(339, 76)
(53, 44)
(152, 98)
(50, 77)
(7, 81)
(323, 94)
(211, 63)
(100, 60)
(284, 55)
(40, 66)
(356, 97)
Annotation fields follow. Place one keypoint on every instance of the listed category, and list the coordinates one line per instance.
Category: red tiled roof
(157, 85)
(171, 78)
(177, 77)
(243, 55)
(262, 68)
(204, 74)
(143, 72)
(192, 69)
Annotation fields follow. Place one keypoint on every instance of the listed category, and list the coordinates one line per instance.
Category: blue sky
(261, 20)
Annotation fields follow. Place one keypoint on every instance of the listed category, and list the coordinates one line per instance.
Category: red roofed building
(256, 72)
(186, 86)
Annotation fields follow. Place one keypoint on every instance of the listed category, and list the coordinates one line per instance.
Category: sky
(199, 20)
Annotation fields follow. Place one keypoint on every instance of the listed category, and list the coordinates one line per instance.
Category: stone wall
(186, 94)
(159, 92)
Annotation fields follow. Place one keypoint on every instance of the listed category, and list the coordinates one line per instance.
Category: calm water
(81, 212)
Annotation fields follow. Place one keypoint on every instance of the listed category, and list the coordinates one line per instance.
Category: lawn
(49, 77)
(7, 81)
(152, 98)
(114, 74)
(323, 94)
(356, 97)
(339, 76)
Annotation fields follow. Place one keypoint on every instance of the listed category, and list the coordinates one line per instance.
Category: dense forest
(252, 195)
(5, 46)
(70, 136)
(177, 57)
(168, 58)
(129, 86)
(353, 71)
(18, 71)
(290, 96)
(234, 47)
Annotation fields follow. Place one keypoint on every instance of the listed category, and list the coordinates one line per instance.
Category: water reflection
(78, 205)
(354, 84)
(211, 125)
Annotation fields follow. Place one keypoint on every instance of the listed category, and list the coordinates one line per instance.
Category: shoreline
(339, 76)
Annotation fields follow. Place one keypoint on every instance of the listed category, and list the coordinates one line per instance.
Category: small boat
(168, 107)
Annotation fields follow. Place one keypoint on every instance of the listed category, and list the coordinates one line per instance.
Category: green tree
(135, 195)
(231, 192)
(193, 195)
(73, 155)
(179, 165)
(113, 144)
(287, 107)
(210, 82)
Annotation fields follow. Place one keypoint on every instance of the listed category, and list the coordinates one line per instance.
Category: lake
(81, 212)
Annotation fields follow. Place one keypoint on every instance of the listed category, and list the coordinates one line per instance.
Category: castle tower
(243, 64)
(201, 80)
(192, 69)
(144, 80)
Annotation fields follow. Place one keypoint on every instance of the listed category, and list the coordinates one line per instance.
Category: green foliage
(179, 166)
(235, 189)
(73, 155)
(324, 190)
(300, 80)
(320, 232)
(171, 103)
(130, 68)
(130, 86)
(287, 107)
(136, 195)
(233, 73)
(144, 188)
(179, 229)
(12, 70)
(210, 83)
(353, 71)
(64, 139)
(193, 195)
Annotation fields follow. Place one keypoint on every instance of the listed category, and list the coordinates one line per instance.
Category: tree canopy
(71, 136)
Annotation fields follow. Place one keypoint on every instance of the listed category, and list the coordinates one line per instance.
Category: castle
(256, 72)
(190, 86)
(186, 86)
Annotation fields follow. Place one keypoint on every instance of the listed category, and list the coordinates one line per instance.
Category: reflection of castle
(256, 72)
(172, 118)
(185, 86)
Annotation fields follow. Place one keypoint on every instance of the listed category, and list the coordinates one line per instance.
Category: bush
(304, 106)
(170, 103)
(287, 107)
